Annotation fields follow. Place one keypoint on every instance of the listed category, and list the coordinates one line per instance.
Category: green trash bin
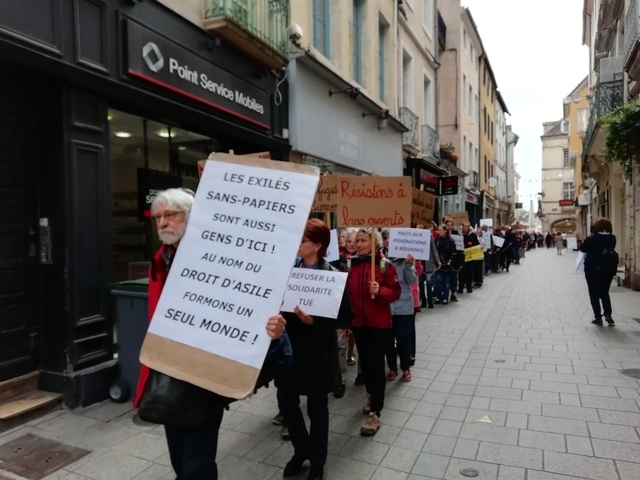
(131, 305)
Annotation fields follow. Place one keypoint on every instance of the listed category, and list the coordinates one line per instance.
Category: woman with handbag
(191, 415)
(315, 371)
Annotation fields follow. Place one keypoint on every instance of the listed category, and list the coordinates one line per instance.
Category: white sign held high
(317, 292)
(486, 221)
(413, 241)
(459, 239)
(486, 237)
(498, 241)
(227, 277)
(333, 251)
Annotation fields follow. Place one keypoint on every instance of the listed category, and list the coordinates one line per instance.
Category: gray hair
(180, 199)
(378, 236)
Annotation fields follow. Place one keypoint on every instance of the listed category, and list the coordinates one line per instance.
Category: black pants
(372, 346)
(400, 342)
(505, 258)
(193, 450)
(310, 444)
(599, 284)
(466, 277)
(477, 267)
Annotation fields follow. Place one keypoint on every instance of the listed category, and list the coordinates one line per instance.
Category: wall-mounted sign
(430, 182)
(449, 185)
(162, 62)
(566, 203)
(518, 204)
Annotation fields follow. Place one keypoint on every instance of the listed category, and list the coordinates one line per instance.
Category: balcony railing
(442, 32)
(631, 36)
(609, 96)
(410, 120)
(430, 141)
(267, 22)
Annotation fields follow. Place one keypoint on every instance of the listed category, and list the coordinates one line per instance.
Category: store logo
(152, 57)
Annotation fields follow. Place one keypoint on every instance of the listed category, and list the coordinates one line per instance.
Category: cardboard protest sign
(459, 239)
(381, 202)
(317, 292)
(422, 207)
(263, 155)
(486, 221)
(473, 253)
(498, 241)
(405, 241)
(326, 199)
(459, 218)
(333, 251)
(230, 273)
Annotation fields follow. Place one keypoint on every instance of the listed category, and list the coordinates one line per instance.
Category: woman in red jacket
(372, 321)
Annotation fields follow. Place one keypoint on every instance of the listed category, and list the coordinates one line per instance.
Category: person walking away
(515, 249)
(487, 247)
(446, 247)
(372, 322)
(548, 239)
(559, 243)
(403, 320)
(315, 371)
(192, 450)
(600, 266)
(507, 248)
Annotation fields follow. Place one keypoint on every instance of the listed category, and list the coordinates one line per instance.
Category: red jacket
(157, 278)
(372, 312)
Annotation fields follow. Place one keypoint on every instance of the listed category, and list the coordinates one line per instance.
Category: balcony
(430, 141)
(631, 41)
(410, 120)
(442, 32)
(609, 96)
(256, 27)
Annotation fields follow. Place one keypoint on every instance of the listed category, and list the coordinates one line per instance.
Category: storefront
(98, 110)
(472, 204)
(488, 205)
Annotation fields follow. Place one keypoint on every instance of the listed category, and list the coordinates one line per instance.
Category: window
(492, 128)
(427, 16)
(407, 80)
(566, 160)
(382, 32)
(472, 54)
(486, 177)
(564, 126)
(484, 75)
(357, 40)
(476, 159)
(464, 151)
(471, 109)
(485, 119)
(321, 27)
(465, 39)
(465, 93)
(568, 191)
(427, 101)
(477, 107)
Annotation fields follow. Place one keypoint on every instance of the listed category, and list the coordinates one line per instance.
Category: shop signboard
(158, 60)
(566, 203)
(449, 185)
(150, 182)
(430, 183)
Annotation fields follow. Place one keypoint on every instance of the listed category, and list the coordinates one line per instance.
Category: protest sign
(580, 262)
(473, 253)
(381, 202)
(572, 241)
(326, 199)
(486, 221)
(405, 241)
(486, 237)
(498, 241)
(317, 292)
(230, 273)
(333, 251)
(422, 207)
(263, 155)
(459, 239)
(459, 218)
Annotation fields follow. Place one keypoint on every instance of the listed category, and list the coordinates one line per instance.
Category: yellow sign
(473, 253)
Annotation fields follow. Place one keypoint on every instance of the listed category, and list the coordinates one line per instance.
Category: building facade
(513, 177)
(504, 210)
(488, 100)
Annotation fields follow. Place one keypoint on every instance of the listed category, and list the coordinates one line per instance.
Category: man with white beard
(192, 450)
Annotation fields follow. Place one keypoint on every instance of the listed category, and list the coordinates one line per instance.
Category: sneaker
(366, 410)
(437, 301)
(339, 392)
(278, 419)
(284, 433)
(351, 360)
(597, 321)
(391, 376)
(453, 298)
(469, 290)
(315, 473)
(412, 361)
(406, 376)
(359, 380)
(444, 302)
(293, 467)
(609, 320)
(371, 426)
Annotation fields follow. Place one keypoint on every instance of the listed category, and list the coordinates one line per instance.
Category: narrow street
(512, 381)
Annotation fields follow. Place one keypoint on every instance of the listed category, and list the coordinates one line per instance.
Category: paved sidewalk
(520, 352)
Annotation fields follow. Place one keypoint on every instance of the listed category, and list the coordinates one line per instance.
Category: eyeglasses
(169, 216)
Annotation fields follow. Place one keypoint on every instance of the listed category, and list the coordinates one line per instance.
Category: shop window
(146, 156)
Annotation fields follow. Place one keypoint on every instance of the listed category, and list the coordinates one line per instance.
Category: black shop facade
(99, 109)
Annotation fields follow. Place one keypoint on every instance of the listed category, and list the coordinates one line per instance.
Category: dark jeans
(372, 346)
(478, 271)
(599, 284)
(310, 444)
(193, 450)
(431, 282)
(488, 260)
(515, 251)
(505, 258)
(444, 281)
(400, 342)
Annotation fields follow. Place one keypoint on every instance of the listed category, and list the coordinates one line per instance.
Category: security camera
(295, 32)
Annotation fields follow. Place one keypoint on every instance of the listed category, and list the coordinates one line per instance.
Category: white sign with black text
(486, 221)
(409, 241)
(317, 292)
(231, 269)
(459, 239)
(498, 241)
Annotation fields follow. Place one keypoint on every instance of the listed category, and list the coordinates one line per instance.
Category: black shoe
(315, 473)
(453, 298)
(278, 419)
(597, 321)
(437, 301)
(294, 467)
(431, 303)
(444, 302)
(460, 291)
(609, 320)
(339, 392)
(477, 285)
(423, 305)
(412, 361)
(359, 380)
(284, 432)
(469, 290)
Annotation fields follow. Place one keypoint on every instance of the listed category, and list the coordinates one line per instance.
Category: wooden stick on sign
(231, 152)
(374, 247)
(327, 215)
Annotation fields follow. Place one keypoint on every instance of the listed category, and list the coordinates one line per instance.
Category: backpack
(383, 265)
(608, 261)
(277, 362)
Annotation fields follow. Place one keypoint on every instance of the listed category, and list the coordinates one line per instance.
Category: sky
(537, 56)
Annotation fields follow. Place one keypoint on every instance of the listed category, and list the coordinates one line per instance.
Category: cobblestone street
(513, 381)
